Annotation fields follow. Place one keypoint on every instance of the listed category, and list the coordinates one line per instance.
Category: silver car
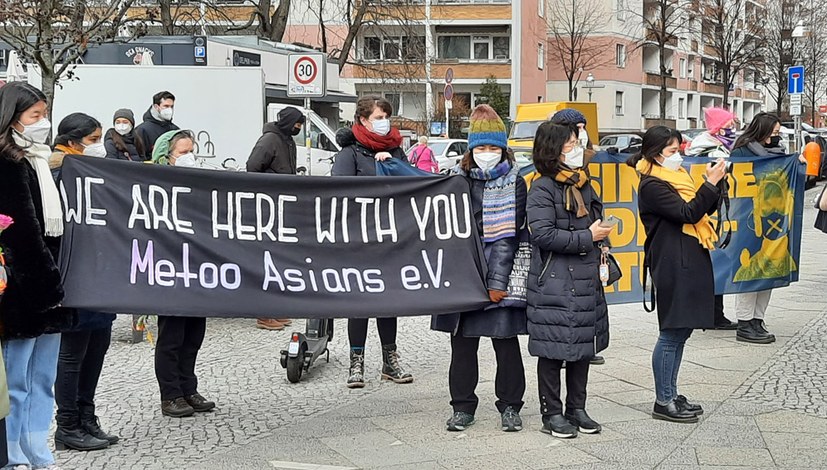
(448, 152)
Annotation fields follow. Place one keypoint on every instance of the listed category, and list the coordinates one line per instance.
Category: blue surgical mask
(381, 126)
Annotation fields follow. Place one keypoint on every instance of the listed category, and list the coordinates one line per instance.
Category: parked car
(624, 143)
(448, 152)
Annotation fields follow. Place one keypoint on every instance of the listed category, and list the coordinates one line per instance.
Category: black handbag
(821, 218)
(612, 273)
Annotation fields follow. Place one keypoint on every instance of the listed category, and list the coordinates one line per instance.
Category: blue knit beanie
(568, 117)
(486, 128)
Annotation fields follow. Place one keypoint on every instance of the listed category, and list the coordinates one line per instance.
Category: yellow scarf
(683, 183)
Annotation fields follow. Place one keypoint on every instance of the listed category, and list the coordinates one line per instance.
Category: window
(620, 55)
(541, 56)
(621, 10)
(392, 48)
(479, 47)
(3, 53)
(541, 8)
(413, 48)
(683, 68)
(373, 48)
(396, 102)
(681, 108)
(619, 103)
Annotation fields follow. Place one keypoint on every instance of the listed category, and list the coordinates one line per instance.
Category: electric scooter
(305, 348)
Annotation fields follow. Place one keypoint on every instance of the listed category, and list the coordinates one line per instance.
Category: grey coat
(567, 314)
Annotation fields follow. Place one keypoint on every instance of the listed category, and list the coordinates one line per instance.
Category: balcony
(710, 50)
(652, 122)
(693, 85)
(386, 70)
(654, 79)
(652, 35)
(752, 95)
(694, 45)
(450, 10)
(474, 71)
(739, 92)
(712, 89)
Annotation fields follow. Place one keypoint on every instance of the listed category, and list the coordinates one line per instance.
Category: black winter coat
(567, 314)
(34, 287)
(680, 266)
(356, 160)
(275, 150)
(150, 130)
(494, 321)
(112, 151)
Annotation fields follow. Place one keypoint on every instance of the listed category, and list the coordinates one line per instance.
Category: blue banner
(767, 201)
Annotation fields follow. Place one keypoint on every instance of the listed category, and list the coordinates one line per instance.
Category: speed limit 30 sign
(306, 75)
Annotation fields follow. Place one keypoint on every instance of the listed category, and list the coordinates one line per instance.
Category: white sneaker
(20, 467)
(50, 467)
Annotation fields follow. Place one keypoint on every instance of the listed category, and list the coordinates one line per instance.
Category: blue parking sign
(200, 51)
(795, 80)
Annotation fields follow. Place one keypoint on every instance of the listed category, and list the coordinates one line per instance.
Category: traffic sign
(795, 110)
(448, 93)
(306, 75)
(822, 109)
(449, 75)
(796, 99)
(449, 105)
(795, 80)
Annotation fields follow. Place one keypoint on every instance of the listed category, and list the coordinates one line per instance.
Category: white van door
(323, 147)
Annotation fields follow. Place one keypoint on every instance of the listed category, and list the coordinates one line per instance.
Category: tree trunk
(278, 22)
(48, 85)
(571, 88)
(352, 32)
(725, 75)
(167, 21)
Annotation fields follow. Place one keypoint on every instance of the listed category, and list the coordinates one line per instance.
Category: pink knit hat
(717, 119)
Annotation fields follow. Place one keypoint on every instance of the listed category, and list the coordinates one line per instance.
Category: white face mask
(574, 159)
(583, 137)
(95, 150)
(672, 162)
(487, 160)
(123, 129)
(37, 132)
(166, 114)
(381, 126)
(187, 161)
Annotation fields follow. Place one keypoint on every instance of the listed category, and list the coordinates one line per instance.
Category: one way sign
(795, 80)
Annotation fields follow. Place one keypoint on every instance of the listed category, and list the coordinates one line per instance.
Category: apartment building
(627, 85)
(406, 47)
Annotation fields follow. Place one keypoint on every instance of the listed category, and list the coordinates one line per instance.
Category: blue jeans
(31, 368)
(666, 362)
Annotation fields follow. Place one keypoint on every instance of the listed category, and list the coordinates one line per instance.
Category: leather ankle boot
(78, 439)
(391, 370)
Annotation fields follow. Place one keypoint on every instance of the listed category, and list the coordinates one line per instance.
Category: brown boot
(269, 324)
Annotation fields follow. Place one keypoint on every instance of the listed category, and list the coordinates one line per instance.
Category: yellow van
(531, 115)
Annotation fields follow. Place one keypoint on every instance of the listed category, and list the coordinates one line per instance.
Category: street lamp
(590, 85)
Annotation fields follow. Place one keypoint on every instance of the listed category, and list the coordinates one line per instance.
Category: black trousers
(463, 375)
(179, 339)
(548, 383)
(719, 308)
(79, 368)
(357, 331)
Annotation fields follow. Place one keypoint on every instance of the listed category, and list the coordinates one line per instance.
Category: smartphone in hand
(610, 221)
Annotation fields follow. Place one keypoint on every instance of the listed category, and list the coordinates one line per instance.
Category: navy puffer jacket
(567, 313)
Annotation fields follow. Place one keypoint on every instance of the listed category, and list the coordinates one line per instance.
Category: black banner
(193, 242)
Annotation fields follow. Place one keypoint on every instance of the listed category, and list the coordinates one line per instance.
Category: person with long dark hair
(498, 194)
(30, 320)
(679, 236)
(84, 345)
(761, 139)
(370, 138)
(121, 141)
(568, 318)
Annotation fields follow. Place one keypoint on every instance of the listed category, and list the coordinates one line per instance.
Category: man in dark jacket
(157, 121)
(275, 151)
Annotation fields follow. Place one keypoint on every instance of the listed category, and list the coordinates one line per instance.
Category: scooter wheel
(295, 365)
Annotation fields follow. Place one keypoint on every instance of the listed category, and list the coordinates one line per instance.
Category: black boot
(71, 435)
(674, 412)
(92, 425)
(391, 370)
(748, 333)
(758, 325)
(356, 376)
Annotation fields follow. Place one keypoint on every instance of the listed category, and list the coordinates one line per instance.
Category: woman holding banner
(370, 138)
(679, 237)
(761, 139)
(84, 345)
(568, 319)
(179, 338)
(30, 320)
(498, 196)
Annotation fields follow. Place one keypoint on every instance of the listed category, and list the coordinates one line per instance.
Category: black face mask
(296, 131)
(775, 141)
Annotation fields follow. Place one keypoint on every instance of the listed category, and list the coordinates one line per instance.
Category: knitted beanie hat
(717, 119)
(486, 128)
(125, 114)
(568, 117)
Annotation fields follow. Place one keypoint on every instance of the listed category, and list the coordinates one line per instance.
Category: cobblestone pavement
(765, 405)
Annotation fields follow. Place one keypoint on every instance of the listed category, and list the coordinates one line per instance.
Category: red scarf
(376, 142)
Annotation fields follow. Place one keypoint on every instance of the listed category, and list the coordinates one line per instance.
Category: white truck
(223, 106)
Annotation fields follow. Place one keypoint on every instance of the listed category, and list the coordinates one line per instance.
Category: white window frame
(683, 68)
(397, 110)
(681, 108)
(620, 56)
(392, 39)
(541, 8)
(478, 39)
(621, 10)
(541, 56)
(620, 110)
